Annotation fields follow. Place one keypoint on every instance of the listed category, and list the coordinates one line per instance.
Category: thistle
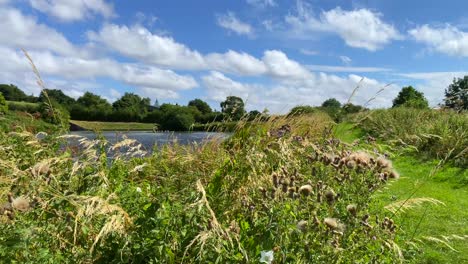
(21, 204)
(351, 208)
(330, 196)
(331, 223)
(302, 225)
(305, 190)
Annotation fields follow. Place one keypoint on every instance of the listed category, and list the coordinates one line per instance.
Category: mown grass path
(428, 222)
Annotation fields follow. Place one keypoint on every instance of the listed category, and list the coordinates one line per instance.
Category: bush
(55, 114)
(3, 105)
(23, 106)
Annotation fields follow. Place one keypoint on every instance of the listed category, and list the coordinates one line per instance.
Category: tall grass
(434, 133)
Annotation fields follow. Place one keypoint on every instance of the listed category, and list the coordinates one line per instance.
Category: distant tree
(350, 108)
(57, 96)
(176, 117)
(91, 107)
(456, 95)
(233, 107)
(302, 110)
(254, 114)
(13, 93)
(3, 104)
(331, 103)
(201, 105)
(131, 107)
(410, 97)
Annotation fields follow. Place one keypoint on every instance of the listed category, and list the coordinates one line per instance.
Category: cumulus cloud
(139, 43)
(281, 96)
(19, 30)
(235, 62)
(230, 22)
(447, 39)
(73, 10)
(360, 28)
(280, 66)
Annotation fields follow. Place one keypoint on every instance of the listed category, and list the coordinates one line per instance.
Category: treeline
(129, 108)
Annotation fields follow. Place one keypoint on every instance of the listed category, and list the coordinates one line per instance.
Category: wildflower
(383, 163)
(266, 257)
(302, 225)
(305, 190)
(394, 175)
(138, 189)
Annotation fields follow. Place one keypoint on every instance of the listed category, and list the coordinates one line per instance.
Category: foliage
(456, 95)
(302, 109)
(3, 104)
(438, 134)
(131, 107)
(91, 107)
(23, 106)
(201, 105)
(13, 93)
(58, 97)
(331, 103)
(177, 118)
(54, 113)
(410, 97)
(113, 126)
(233, 107)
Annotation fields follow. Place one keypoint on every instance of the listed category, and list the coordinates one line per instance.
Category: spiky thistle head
(305, 190)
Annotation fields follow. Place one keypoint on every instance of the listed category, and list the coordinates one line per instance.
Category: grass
(23, 106)
(422, 223)
(113, 126)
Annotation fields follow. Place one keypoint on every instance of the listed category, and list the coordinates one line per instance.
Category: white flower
(267, 257)
(138, 189)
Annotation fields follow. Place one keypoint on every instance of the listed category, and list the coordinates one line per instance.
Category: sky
(274, 54)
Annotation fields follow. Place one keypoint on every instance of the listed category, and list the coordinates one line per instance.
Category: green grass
(448, 185)
(113, 126)
(429, 219)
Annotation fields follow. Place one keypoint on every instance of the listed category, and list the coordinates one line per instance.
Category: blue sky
(274, 54)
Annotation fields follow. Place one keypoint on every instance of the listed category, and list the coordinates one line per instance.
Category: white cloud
(261, 3)
(268, 24)
(282, 96)
(218, 87)
(139, 43)
(280, 66)
(308, 52)
(234, 62)
(448, 39)
(230, 22)
(23, 31)
(73, 10)
(361, 28)
(345, 60)
(329, 68)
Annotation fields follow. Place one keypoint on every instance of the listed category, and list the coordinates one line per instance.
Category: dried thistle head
(383, 163)
(394, 175)
(21, 204)
(305, 190)
(302, 225)
(331, 223)
(352, 209)
(330, 196)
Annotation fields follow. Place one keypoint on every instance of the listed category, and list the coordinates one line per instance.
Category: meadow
(299, 189)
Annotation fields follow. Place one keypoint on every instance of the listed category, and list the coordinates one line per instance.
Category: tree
(91, 107)
(57, 96)
(3, 104)
(233, 107)
(201, 105)
(410, 97)
(302, 110)
(176, 117)
(331, 103)
(350, 108)
(456, 95)
(131, 107)
(13, 93)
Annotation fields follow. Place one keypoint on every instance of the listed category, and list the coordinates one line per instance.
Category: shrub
(177, 121)
(3, 104)
(23, 106)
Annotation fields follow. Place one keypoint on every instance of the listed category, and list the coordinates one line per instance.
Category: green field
(113, 126)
